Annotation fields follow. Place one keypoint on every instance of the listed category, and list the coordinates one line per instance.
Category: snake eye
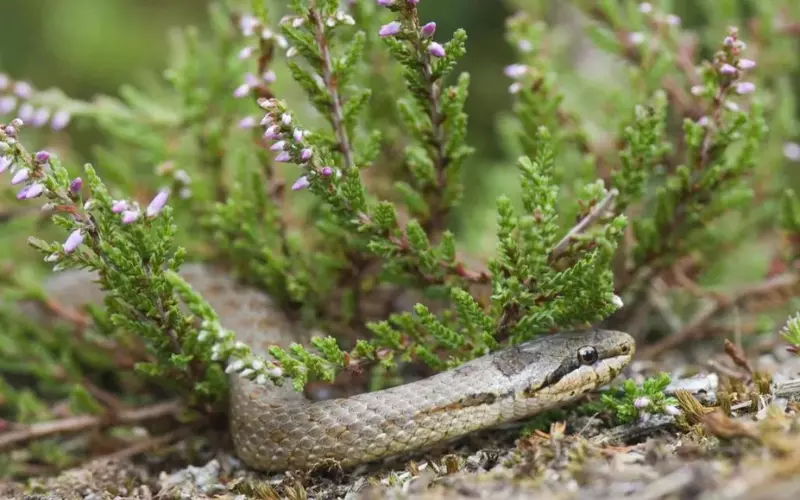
(587, 355)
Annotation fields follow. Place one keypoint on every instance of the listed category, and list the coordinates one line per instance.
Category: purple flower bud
(306, 154)
(247, 122)
(269, 76)
(10, 130)
(32, 191)
(21, 176)
(23, 89)
(273, 132)
(76, 185)
(7, 104)
(641, 402)
(746, 64)
(326, 171)
(697, 90)
(241, 91)
(25, 112)
(119, 206)
(251, 80)
(436, 50)
(73, 241)
(429, 29)
(283, 157)
(278, 146)
(727, 69)
(673, 20)
(41, 117)
(245, 53)
(385, 3)
(390, 29)
(42, 157)
(515, 70)
(5, 162)
(300, 183)
(129, 216)
(60, 120)
(297, 135)
(672, 410)
(158, 203)
(286, 119)
(22, 193)
(745, 88)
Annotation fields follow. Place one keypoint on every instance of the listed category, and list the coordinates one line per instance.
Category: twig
(695, 327)
(597, 211)
(86, 422)
(145, 445)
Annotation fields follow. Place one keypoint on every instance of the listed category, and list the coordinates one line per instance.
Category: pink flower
(390, 29)
(283, 157)
(745, 88)
(21, 176)
(119, 206)
(436, 50)
(129, 216)
(74, 240)
(158, 203)
(746, 64)
(429, 29)
(300, 183)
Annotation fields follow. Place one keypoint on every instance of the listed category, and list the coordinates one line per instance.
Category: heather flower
(326, 171)
(291, 52)
(5, 162)
(515, 70)
(791, 150)
(158, 203)
(241, 91)
(73, 241)
(306, 154)
(273, 132)
(278, 146)
(672, 410)
(23, 90)
(286, 119)
(673, 20)
(248, 24)
(40, 117)
(247, 122)
(390, 29)
(385, 3)
(76, 185)
(727, 69)
(283, 157)
(31, 191)
(641, 402)
(42, 157)
(25, 112)
(7, 104)
(746, 64)
(429, 29)
(745, 88)
(645, 8)
(118, 206)
(300, 183)
(436, 50)
(269, 76)
(246, 53)
(129, 216)
(22, 175)
(297, 135)
(60, 120)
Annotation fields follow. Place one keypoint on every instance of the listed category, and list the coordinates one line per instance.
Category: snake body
(276, 428)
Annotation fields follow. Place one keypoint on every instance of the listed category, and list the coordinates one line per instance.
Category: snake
(277, 428)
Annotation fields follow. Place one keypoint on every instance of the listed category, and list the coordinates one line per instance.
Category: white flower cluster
(240, 359)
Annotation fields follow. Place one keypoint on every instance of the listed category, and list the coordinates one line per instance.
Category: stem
(337, 116)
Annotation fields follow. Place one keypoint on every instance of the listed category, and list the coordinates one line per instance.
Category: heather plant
(320, 155)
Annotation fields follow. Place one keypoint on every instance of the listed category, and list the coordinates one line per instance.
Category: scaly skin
(276, 428)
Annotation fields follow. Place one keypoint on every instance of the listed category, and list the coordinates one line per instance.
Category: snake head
(568, 364)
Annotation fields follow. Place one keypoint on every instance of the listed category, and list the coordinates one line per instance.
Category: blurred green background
(86, 47)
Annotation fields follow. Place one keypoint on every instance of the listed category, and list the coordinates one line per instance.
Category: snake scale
(276, 428)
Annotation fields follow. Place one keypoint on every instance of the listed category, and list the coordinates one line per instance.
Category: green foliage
(632, 402)
(324, 159)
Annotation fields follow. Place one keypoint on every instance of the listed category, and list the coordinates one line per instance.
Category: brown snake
(276, 428)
